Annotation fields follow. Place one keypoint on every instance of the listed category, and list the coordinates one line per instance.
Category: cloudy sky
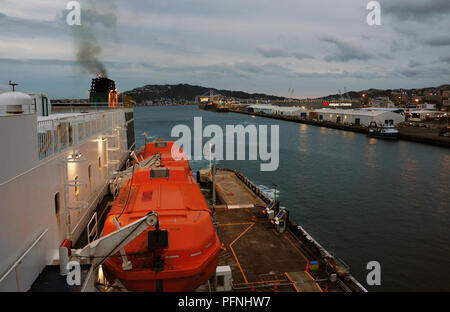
(314, 47)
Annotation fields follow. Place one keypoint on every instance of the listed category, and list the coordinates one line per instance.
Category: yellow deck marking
(314, 280)
(292, 281)
(260, 282)
(234, 254)
(305, 259)
(243, 223)
(298, 250)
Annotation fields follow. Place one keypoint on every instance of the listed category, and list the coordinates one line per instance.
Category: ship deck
(261, 258)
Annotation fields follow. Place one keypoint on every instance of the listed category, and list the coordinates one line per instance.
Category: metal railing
(87, 106)
(57, 134)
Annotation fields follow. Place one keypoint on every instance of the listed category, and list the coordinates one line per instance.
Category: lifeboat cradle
(99, 250)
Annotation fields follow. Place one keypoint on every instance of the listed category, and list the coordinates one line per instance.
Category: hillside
(186, 92)
(371, 93)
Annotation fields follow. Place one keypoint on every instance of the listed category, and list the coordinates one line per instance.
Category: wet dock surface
(232, 192)
(259, 255)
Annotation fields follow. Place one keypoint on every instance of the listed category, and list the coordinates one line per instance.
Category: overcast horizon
(315, 48)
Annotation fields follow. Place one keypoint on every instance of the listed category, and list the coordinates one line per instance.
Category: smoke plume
(98, 22)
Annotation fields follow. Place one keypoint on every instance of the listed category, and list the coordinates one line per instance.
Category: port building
(292, 111)
(263, 108)
(363, 117)
(359, 117)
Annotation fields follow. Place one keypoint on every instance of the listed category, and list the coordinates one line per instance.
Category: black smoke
(98, 22)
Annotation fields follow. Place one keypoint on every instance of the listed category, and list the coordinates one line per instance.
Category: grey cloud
(401, 45)
(409, 72)
(445, 59)
(248, 67)
(343, 74)
(438, 41)
(217, 69)
(405, 29)
(429, 72)
(301, 56)
(414, 63)
(417, 10)
(38, 62)
(28, 28)
(247, 70)
(386, 56)
(346, 51)
(272, 52)
(56, 62)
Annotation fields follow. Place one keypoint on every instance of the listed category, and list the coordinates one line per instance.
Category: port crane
(290, 93)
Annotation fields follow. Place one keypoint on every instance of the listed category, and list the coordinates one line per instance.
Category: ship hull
(214, 108)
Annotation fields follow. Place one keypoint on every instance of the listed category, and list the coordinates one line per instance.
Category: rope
(129, 192)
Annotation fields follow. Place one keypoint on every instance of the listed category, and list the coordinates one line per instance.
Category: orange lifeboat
(181, 252)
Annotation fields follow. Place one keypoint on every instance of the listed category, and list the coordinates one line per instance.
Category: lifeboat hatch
(159, 173)
(158, 239)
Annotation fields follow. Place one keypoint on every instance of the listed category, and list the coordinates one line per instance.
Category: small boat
(383, 132)
(181, 252)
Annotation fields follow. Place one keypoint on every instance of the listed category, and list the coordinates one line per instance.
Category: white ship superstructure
(54, 170)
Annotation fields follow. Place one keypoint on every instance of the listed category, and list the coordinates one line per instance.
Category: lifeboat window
(159, 173)
(99, 164)
(160, 144)
(89, 173)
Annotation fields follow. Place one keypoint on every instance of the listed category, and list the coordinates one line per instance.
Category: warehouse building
(262, 108)
(291, 111)
(359, 117)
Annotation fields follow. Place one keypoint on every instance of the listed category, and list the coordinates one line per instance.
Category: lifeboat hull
(147, 281)
(181, 252)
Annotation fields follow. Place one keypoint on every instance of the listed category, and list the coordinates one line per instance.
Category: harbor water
(361, 199)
